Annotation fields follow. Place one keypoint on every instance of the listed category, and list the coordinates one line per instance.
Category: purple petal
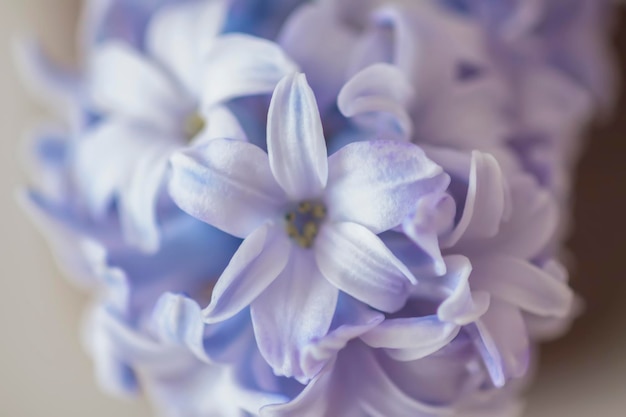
(378, 183)
(259, 260)
(358, 263)
(124, 146)
(294, 311)
(295, 140)
(228, 184)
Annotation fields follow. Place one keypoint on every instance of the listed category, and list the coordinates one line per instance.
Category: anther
(193, 125)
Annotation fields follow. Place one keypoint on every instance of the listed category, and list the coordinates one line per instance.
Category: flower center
(303, 223)
(193, 125)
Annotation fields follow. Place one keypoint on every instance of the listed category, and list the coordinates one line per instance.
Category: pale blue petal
(378, 183)
(357, 262)
(179, 320)
(125, 83)
(228, 184)
(295, 140)
(295, 311)
(462, 305)
(262, 257)
(352, 319)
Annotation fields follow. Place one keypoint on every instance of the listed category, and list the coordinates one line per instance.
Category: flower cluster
(330, 208)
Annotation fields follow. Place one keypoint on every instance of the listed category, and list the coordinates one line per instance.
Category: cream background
(43, 370)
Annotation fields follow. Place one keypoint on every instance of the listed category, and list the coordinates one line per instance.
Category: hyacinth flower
(309, 222)
(162, 101)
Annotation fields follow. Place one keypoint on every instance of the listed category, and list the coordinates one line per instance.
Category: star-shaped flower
(309, 222)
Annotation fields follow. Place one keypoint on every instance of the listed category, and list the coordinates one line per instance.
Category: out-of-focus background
(44, 371)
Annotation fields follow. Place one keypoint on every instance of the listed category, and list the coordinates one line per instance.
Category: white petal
(121, 145)
(292, 313)
(228, 184)
(295, 139)
(124, 83)
(259, 260)
(378, 183)
(357, 262)
(139, 197)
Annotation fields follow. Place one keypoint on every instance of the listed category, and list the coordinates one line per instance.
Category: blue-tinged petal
(179, 321)
(260, 259)
(409, 339)
(295, 139)
(433, 217)
(462, 305)
(180, 35)
(352, 319)
(228, 184)
(239, 65)
(125, 83)
(523, 285)
(117, 349)
(294, 311)
(322, 57)
(377, 96)
(357, 262)
(139, 197)
(378, 183)
(485, 201)
(120, 145)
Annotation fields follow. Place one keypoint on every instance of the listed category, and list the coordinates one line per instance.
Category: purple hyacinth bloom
(309, 222)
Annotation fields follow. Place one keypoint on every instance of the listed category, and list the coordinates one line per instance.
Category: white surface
(43, 370)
